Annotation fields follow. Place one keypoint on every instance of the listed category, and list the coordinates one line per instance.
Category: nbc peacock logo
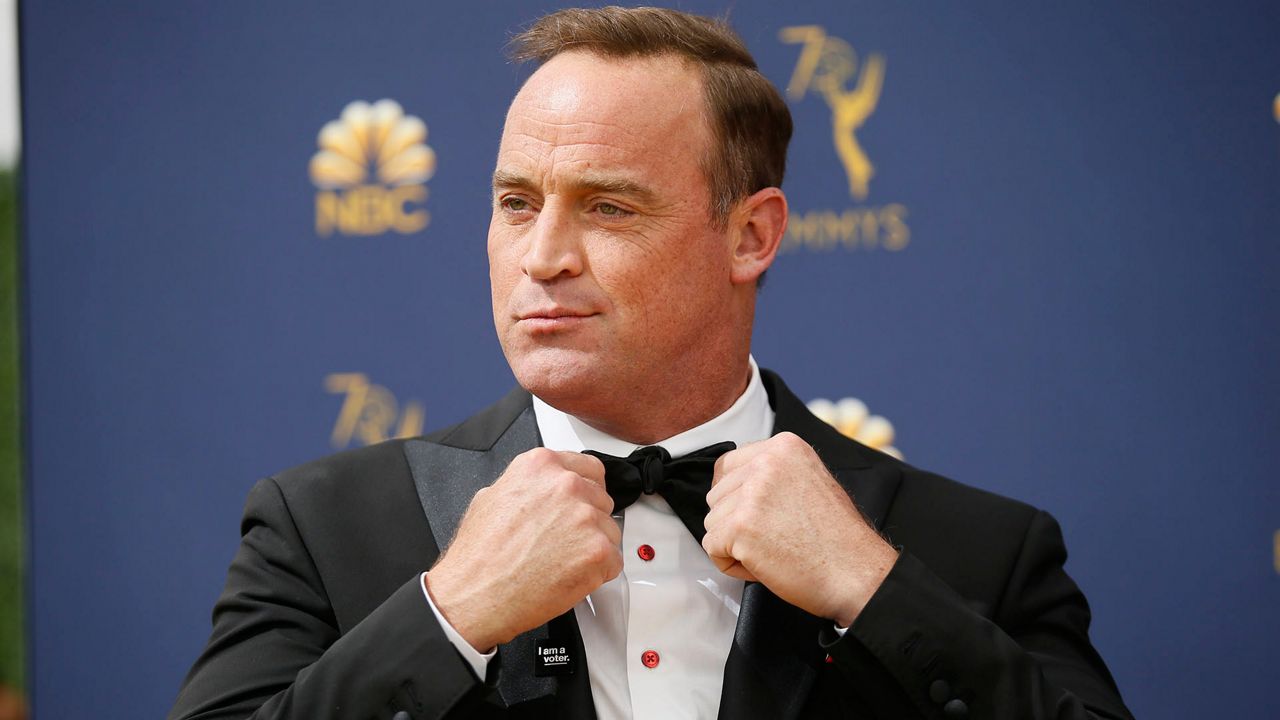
(852, 418)
(371, 171)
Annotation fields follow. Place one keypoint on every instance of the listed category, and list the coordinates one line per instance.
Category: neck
(672, 394)
(654, 413)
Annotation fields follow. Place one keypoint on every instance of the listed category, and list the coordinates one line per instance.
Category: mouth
(552, 320)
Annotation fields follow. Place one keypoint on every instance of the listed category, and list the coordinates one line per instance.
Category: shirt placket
(653, 657)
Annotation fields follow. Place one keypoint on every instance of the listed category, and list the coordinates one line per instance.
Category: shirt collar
(748, 420)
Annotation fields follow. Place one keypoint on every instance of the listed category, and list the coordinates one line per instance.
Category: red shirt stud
(646, 552)
(649, 658)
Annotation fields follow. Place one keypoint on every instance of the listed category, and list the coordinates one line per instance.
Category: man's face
(608, 275)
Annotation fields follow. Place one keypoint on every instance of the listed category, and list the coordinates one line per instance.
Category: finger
(585, 465)
(541, 461)
(718, 546)
(720, 513)
(609, 526)
(736, 458)
(724, 483)
(740, 571)
(613, 568)
(723, 563)
(595, 495)
(732, 567)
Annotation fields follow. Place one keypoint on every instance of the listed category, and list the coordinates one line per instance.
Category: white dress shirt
(658, 635)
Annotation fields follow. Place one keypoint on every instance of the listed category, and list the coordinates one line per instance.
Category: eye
(611, 210)
(514, 204)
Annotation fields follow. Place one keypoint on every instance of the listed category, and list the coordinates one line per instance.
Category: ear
(757, 225)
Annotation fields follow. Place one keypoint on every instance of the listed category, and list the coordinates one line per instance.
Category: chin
(563, 378)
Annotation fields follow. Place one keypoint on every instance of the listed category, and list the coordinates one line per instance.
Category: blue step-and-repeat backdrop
(1034, 247)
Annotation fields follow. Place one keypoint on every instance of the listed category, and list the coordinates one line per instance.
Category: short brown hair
(750, 123)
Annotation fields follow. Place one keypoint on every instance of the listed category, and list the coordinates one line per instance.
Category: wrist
(456, 609)
(862, 582)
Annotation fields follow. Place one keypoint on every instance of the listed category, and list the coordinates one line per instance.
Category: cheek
(647, 300)
(500, 289)
(504, 262)
(625, 274)
(500, 292)
(691, 292)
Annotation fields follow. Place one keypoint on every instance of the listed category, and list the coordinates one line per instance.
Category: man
(636, 207)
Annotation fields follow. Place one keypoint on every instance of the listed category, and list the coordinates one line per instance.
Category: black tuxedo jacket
(323, 614)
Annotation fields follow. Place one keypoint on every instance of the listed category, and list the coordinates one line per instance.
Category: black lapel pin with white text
(553, 658)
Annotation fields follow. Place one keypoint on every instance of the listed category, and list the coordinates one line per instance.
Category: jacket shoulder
(355, 517)
(972, 538)
(930, 489)
(364, 468)
(480, 431)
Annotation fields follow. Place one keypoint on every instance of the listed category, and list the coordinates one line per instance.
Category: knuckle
(787, 438)
(538, 456)
(792, 443)
(612, 564)
(711, 521)
(600, 552)
(767, 463)
(584, 516)
(565, 484)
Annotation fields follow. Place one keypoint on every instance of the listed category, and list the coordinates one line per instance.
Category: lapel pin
(552, 659)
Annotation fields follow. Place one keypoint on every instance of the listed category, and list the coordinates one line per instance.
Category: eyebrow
(589, 182)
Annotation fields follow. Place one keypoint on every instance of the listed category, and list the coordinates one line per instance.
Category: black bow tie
(683, 482)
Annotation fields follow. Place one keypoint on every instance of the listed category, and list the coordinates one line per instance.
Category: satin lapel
(447, 472)
(775, 654)
(869, 477)
(447, 477)
(773, 661)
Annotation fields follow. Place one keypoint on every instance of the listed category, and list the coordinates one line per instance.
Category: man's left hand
(779, 518)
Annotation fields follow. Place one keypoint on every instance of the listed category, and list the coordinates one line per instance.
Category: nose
(555, 247)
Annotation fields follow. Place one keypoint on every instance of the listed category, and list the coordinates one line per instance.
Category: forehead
(646, 115)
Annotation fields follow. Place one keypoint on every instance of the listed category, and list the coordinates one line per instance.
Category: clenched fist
(530, 547)
(778, 517)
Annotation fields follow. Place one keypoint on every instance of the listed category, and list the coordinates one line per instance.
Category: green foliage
(12, 637)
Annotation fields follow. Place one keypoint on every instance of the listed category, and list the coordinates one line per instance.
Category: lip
(553, 319)
(553, 314)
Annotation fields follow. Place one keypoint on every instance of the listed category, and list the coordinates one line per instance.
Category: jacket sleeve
(942, 658)
(276, 650)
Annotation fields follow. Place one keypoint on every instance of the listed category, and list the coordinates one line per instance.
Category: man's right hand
(530, 547)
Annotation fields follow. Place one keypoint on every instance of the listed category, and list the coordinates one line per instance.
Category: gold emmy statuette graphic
(369, 412)
(851, 417)
(829, 67)
(828, 64)
(371, 171)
